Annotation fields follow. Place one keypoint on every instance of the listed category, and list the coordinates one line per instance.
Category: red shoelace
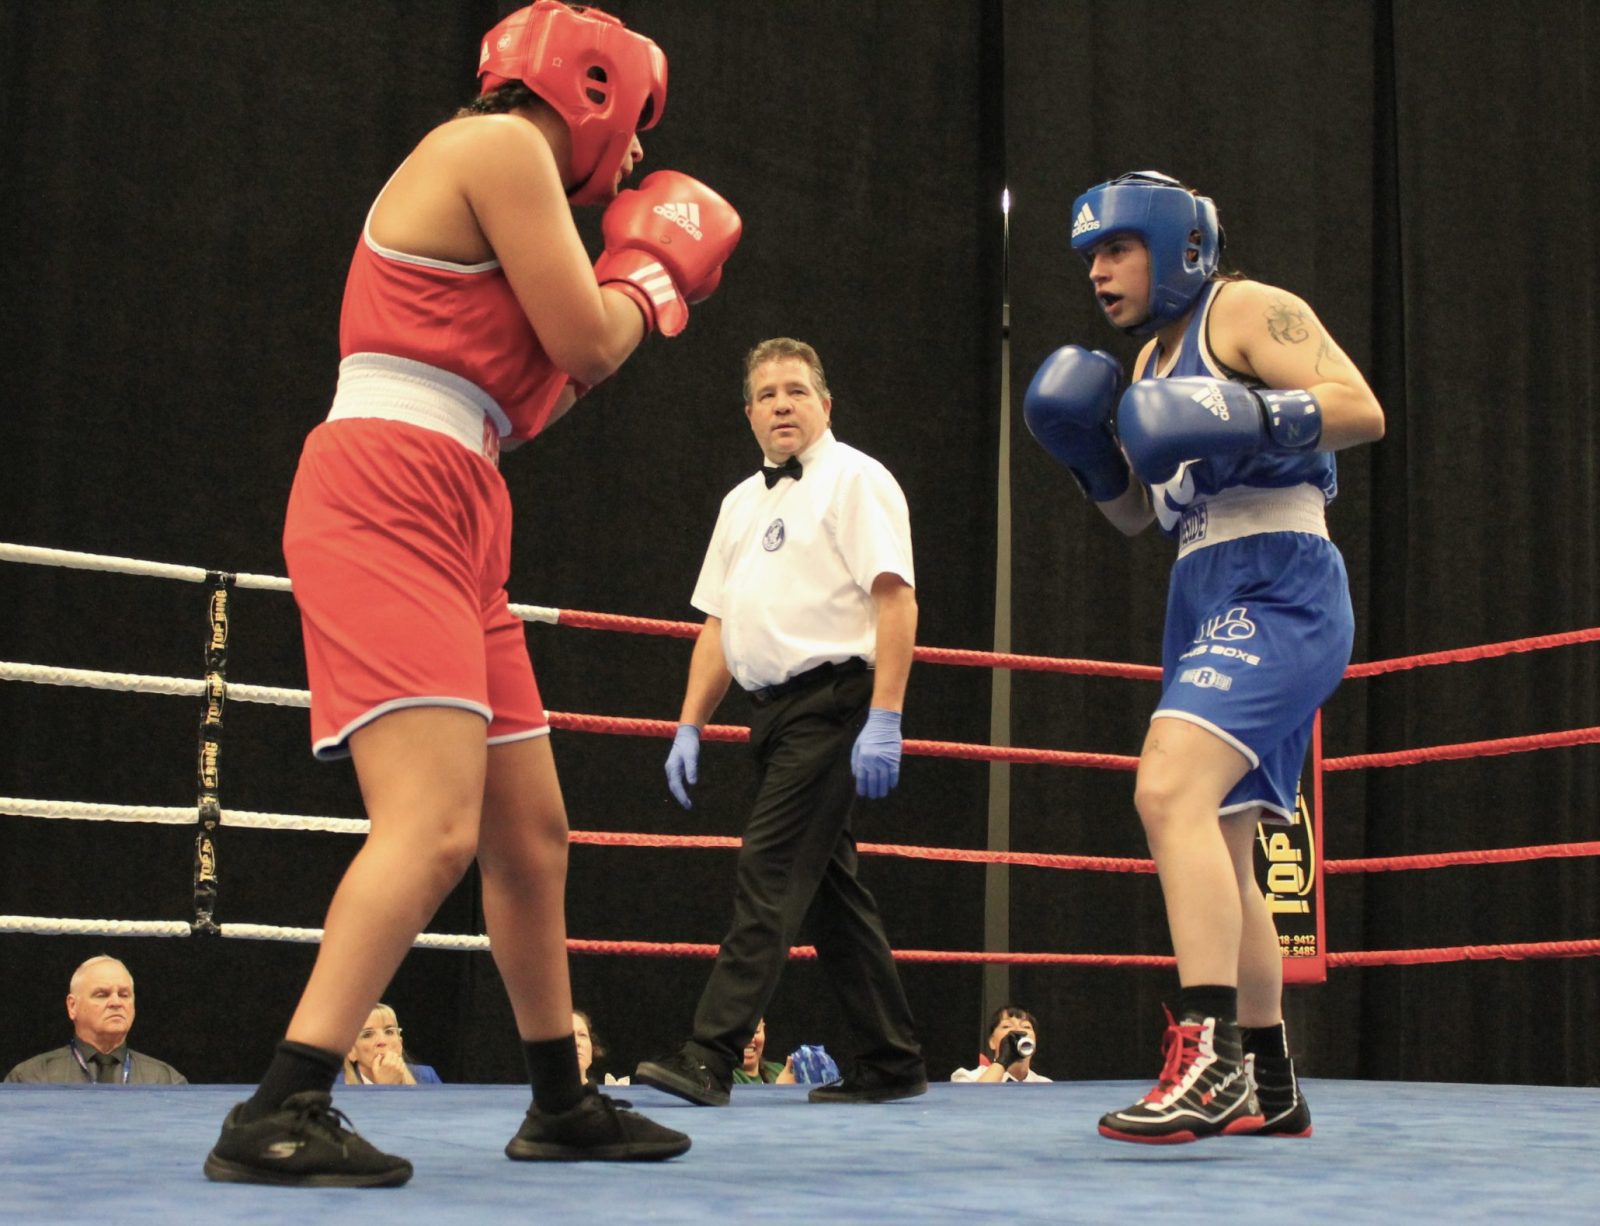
(1180, 1047)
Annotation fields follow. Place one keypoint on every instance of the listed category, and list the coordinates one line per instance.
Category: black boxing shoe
(598, 1129)
(305, 1143)
(1283, 1108)
(1204, 1090)
(685, 1075)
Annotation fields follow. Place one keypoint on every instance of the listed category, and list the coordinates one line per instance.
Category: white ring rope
(535, 613)
(89, 927)
(130, 566)
(55, 926)
(172, 815)
(272, 932)
(246, 820)
(183, 687)
(194, 574)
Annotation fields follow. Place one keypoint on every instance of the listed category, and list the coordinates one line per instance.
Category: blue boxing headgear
(1178, 228)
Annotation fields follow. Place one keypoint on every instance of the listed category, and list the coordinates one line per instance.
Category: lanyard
(127, 1063)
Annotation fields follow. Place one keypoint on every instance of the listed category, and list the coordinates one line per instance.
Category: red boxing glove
(666, 242)
(707, 287)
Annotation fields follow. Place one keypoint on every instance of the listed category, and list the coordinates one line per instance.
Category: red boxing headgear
(606, 81)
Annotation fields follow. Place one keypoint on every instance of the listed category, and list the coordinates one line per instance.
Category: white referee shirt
(790, 569)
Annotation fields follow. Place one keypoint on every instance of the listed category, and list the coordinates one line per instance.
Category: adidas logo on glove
(1084, 222)
(685, 215)
(1212, 400)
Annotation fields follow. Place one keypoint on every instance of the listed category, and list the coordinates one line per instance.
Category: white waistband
(1243, 511)
(398, 389)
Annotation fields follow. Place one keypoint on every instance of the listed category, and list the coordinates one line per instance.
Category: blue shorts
(1258, 635)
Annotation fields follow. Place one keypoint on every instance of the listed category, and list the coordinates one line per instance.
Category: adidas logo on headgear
(1085, 221)
(685, 215)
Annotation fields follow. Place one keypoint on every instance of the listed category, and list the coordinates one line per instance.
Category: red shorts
(398, 541)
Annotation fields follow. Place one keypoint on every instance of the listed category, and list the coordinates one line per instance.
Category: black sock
(1209, 1000)
(1270, 1041)
(295, 1067)
(553, 1071)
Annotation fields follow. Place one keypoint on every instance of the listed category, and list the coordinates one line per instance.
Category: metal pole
(997, 877)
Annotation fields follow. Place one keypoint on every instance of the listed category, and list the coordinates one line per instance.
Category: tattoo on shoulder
(1286, 323)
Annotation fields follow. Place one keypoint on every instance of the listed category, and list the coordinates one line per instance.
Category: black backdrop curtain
(183, 184)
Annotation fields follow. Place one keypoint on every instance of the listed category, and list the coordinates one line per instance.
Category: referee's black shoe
(685, 1075)
(305, 1143)
(598, 1129)
(869, 1086)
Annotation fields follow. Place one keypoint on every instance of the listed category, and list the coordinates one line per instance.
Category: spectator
(100, 1006)
(1012, 1038)
(378, 1056)
(590, 1048)
(755, 1070)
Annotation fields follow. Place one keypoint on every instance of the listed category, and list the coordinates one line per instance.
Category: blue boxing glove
(1068, 409)
(1164, 422)
(683, 763)
(875, 759)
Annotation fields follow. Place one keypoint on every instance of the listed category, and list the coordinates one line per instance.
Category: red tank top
(462, 318)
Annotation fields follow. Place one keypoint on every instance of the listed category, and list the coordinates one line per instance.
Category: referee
(807, 589)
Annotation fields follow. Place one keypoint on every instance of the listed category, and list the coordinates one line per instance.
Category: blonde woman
(378, 1055)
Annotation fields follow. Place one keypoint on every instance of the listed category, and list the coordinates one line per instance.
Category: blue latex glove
(683, 763)
(875, 760)
(813, 1065)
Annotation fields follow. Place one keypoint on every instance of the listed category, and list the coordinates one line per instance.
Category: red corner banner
(1289, 872)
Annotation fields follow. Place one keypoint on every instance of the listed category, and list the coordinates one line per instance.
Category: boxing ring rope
(175, 815)
(215, 688)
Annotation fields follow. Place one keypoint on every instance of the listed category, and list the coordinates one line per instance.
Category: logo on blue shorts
(1229, 628)
(1206, 678)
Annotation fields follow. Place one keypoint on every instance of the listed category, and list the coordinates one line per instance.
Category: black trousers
(797, 866)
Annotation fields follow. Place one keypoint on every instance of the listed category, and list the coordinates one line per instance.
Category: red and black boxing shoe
(1204, 1089)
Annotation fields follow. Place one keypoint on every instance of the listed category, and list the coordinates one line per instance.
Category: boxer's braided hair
(508, 97)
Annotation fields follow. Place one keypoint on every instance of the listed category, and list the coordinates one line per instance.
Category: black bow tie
(789, 468)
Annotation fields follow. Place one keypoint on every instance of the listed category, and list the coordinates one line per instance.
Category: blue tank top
(1197, 480)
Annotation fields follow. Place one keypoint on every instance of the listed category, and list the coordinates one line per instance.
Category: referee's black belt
(800, 681)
